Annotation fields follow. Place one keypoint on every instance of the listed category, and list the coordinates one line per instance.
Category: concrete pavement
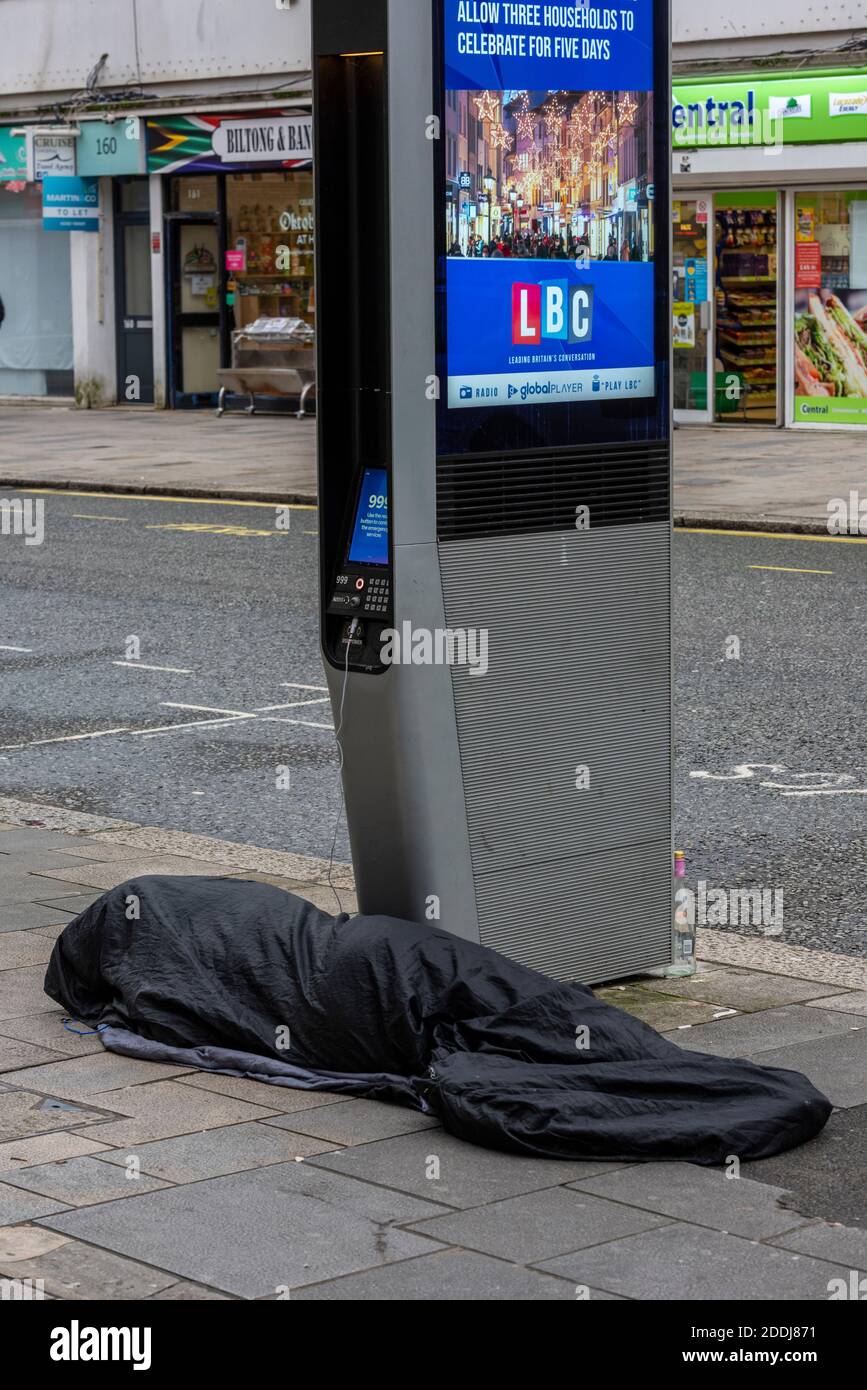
(731, 474)
(191, 453)
(123, 1179)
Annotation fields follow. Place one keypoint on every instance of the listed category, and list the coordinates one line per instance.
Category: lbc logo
(553, 309)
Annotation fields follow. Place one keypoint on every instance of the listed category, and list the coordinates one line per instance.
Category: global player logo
(552, 309)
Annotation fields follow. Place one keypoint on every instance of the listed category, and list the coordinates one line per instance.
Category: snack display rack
(747, 305)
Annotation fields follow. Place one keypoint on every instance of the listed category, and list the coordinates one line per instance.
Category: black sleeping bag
(246, 979)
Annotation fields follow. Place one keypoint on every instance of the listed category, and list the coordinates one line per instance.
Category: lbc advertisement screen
(550, 237)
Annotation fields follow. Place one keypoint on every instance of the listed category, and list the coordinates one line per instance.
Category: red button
(359, 584)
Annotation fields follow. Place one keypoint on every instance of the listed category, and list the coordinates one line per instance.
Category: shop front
(36, 351)
(770, 251)
(239, 237)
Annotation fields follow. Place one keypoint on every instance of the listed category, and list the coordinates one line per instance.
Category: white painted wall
(93, 323)
(158, 289)
(50, 46)
(738, 29)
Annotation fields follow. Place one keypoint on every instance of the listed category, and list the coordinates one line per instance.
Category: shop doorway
(746, 308)
(726, 308)
(133, 292)
(195, 251)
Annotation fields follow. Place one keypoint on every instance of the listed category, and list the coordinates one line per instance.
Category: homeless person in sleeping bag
(246, 979)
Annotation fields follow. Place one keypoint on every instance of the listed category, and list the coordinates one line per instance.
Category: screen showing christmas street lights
(549, 202)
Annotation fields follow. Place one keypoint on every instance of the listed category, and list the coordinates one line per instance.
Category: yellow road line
(213, 528)
(93, 516)
(156, 497)
(787, 569)
(770, 535)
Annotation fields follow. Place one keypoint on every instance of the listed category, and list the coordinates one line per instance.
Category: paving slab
(214, 1154)
(27, 838)
(24, 1113)
(321, 895)
(73, 902)
(467, 1175)
(853, 1003)
(185, 1292)
(22, 916)
(357, 1122)
(52, 932)
(45, 1148)
(16, 1205)
(109, 875)
(75, 1078)
(31, 888)
(837, 1066)
(842, 1245)
(454, 1276)
(48, 1030)
(21, 992)
(15, 863)
(828, 1177)
(80, 1182)
(661, 1011)
(283, 1098)
(300, 868)
(77, 1271)
(700, 1196)
(693, 1264)
(15, 1054)
(754, 1033)
(539, 1225)
(745, 990)
(25, 948)
(164, 1108)
(19, 1243)
(285, 1225)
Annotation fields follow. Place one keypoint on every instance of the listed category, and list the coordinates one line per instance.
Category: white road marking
(16, 649)
(302, 723)
(140, 666)
(206, 709)
(294, 685)
(223, 717)
(297, 704)
(67, 738)
(193, 724)
(829, 783)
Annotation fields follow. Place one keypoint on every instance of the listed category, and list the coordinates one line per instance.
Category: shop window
(270, 223)
(36, 333)
(830, 302)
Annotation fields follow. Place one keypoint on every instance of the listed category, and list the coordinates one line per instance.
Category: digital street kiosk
(493, 328)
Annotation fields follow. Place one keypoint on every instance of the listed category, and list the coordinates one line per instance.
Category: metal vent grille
(576, 883)
(524, 493)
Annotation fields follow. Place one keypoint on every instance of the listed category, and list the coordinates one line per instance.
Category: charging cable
(353, 628)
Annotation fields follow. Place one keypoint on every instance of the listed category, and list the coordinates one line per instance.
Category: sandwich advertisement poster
(831, 356)
(831, 309)
(549, 202)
